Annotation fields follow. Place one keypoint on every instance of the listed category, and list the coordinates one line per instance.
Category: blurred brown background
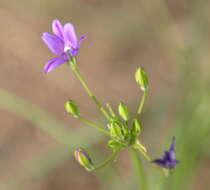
(121, 35)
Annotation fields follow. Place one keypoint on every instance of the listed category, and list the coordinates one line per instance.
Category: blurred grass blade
(67, 139)
(42, 119)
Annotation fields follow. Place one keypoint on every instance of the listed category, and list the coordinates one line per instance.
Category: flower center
(67, 48)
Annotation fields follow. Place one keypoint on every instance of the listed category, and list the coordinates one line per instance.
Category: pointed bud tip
(71, 108)
(123, 111)
(141, 78)
(135, 127)
(83, 159)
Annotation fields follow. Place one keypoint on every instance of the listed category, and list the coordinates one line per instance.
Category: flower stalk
(111, 111)
(110, 159)
(72, 63)
(141, 103)
(142, 150)
(94, 125)
(137, 166)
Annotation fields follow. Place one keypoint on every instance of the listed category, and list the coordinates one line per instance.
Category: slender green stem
(73, 65)
(166, 172)
(111, 158)
(137, 165)
(142, 150)
(110, 110)
(141, 146)
(94, 125)
(141, 103)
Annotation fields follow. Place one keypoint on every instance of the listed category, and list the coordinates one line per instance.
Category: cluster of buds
(122, 135)
(122, 130)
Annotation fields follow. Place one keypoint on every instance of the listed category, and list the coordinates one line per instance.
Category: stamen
(67, 48)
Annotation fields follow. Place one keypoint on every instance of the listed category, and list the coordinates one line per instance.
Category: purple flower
(168, 160)
(63, 42)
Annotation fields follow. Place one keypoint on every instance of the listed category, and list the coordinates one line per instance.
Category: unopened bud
(116, 131)
(123, 111)
(135, 127)
(84, 159)
(114, 144)
(141, 78)
(72, 108)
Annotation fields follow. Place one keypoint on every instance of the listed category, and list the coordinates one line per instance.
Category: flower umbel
(63, 42)
(123, 128)
(169, 158)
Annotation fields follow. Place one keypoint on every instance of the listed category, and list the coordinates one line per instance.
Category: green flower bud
(141, 78)
(114, 144)
(72, 108)
(118, 131)
(135, 127)
(123, 111)
(134, 131)
(84, 159)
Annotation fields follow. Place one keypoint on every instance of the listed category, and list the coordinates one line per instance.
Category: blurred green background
(170, 39)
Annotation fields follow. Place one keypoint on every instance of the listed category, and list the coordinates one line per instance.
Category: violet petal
(69, 35)
(57, 28)
(168, 160)
(159, 162)
(54, 43)
(172, 149)
(82, 37)
(52, 63)
(167, 156)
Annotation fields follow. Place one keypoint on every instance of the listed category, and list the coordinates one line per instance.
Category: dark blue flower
(168, 159)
